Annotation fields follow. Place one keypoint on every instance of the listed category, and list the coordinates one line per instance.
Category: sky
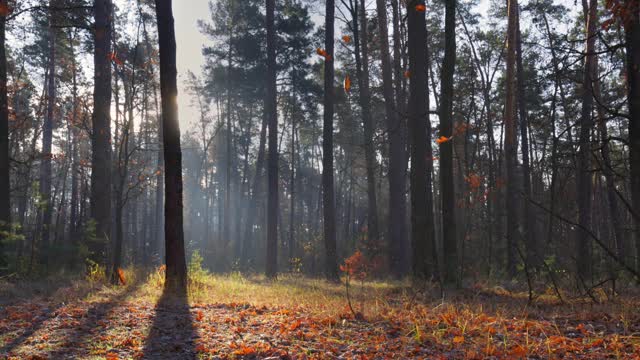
(189, 42)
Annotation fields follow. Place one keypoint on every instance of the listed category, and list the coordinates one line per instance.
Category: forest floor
(236, 317)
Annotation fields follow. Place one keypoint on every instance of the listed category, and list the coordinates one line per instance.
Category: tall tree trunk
(101, 133)
(248, 243)
(328, 195)
(47, 138)
(584, 177)
(397, 152)
(422, 225)
(362, 68)
(449, 231)
(632, 37)
(176, 273)
(5, 183)
(272, 169)
(510, 139)
(528, 223)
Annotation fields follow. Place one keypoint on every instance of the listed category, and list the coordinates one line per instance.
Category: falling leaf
(442, 139)
(421, 8)
(407, 74)
(347, 84)
(458, 340)
(346, 39)
(5, 10)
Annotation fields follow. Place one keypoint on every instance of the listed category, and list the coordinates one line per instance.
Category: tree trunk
(101, 134)
(632, 37)
(528, 223)
(584, 178)
(397, 152)
(328, 195)
(176, 273)
(510, 139)
(449, 231)
(362, 67)
(422, 229)
(5, 183)
(272, 168)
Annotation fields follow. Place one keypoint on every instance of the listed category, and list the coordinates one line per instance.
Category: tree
(397, 152)
(328, 195)
(584, 177)
(361, 39)
(101, 129)
(272, 169)
(631, 24)
(510, 138)
(5, 183)
(176, 272)
(449, 237)
(422, 229)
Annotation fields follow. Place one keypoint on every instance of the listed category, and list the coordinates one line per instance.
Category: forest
(340, 179)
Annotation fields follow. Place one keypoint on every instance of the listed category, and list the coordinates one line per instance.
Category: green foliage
(96, 273)
(197, 274)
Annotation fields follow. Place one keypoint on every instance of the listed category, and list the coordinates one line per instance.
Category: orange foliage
(421, 8)
(347, 84)
(5, 10)
(121, 277)
(443, 139)
(346, 39)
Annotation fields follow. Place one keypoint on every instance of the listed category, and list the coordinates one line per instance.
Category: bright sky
(189, 42)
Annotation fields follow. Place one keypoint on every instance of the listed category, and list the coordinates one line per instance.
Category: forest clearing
(304, 179)
(237, 317)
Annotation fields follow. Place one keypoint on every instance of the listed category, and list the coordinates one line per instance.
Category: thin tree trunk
(449, 231)
(272, 168)
(397, 152)
(5, 183)
(328, 195)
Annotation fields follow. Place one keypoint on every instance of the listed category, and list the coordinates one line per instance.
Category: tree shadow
(172, 334)
(80, 332)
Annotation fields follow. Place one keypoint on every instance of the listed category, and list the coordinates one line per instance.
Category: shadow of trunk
(172, 334)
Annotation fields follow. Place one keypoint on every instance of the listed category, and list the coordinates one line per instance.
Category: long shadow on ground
(39, 319)
(172, 334)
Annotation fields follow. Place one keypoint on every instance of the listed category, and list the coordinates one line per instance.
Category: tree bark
(272, 120)
(360, 36)
(101, 134)
(328, 195)
(5, 183)
(176, 272)
(447, 185)
(584, 177)
(397, 153)
(422, 225)
(510, 139)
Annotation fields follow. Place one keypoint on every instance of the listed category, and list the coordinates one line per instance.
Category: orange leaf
(443, 139)
(199, 315)
(121, 277)
(458, 340)
(421, 8)
(5, 10)
(407, 74)
(112, 356)
(346, 39)
(347, 83)
(518, 351)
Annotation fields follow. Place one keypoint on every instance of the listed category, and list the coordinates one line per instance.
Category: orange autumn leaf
(346, 39)
(199, 315)
(5, 10)
(458, 340)
(442, 139)
(121, 277)
(347, 84)
(518, 351)
(407, 74)
(421, 8)
(112, 356)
